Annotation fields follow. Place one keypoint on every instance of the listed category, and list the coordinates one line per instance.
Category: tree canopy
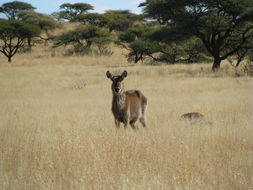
(83, 37)
(44, 22)
(93, 19)
(12, 9)
(150, 41)
(119, 20)
(137, 41)
(224, 26)
(71, 11)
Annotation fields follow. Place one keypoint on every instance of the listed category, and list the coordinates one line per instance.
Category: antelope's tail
(144, 105)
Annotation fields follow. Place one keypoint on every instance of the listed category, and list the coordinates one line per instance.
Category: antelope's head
(117, 84)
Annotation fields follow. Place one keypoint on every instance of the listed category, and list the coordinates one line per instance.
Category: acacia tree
(12, 9)
(150, 41)
(13, 34)
(83, 38)
(224, 26)
(135, 39)
(119, 20)
(44, 22)
(93, 19)
(71, 11)
(114, 20)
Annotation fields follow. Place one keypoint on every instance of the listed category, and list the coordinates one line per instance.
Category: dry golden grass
(57, 131)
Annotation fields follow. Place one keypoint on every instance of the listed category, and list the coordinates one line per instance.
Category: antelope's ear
(108, 74)
(124, 74)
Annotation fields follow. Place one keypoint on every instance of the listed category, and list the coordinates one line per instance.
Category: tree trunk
(216, 64)
(29, 42)
(9, 59)
(138, 58)
(89, 43)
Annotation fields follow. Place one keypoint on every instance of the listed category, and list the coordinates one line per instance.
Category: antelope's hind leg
(143, 110)
(132, 123)
(143, 121)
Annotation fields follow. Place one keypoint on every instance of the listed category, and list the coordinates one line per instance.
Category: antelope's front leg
(126, 120)
(125, 124)
(117, 123)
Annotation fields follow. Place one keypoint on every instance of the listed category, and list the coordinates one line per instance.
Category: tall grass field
(57, 131)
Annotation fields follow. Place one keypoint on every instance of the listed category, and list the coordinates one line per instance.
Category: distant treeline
(168, 31)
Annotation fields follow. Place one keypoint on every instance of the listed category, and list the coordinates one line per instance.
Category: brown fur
(127, 106)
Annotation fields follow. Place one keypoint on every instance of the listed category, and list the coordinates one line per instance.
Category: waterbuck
(127, 106)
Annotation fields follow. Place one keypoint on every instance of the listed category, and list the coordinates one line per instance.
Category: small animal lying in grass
(192, 115)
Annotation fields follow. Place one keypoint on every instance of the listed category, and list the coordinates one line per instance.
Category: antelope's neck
(118, 101)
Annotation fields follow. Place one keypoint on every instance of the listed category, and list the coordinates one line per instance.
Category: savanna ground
(57, 131)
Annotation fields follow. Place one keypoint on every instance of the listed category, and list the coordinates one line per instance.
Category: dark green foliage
(135, 33)
(250, 54)
(72, 11)
(224, 26)
(136, 41)
(142, 48)
(93, 19)
(44, 22)
(119, 20)
(12, 9)
(171, 54)
(186, 51)
(160, 45)
(83, 38)
(13, 34)
(169, 35)
(193, 50)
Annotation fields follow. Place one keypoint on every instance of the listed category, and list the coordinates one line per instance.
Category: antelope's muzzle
(117, 89)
